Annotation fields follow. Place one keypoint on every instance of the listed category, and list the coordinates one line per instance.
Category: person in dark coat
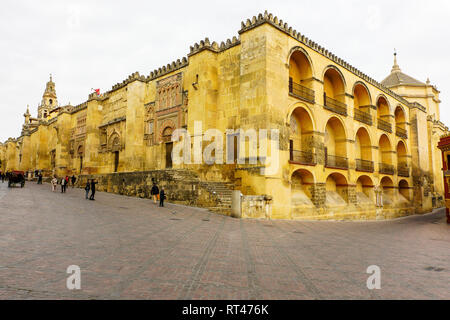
(93, 183)
(73, 180)
(63, 185)
(162, 196)
(154, 192)
(87, 188)
(39, 178)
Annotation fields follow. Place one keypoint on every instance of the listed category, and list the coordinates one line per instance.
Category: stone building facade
(349, 147)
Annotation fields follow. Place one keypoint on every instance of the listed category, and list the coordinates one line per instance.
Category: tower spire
(395, 67)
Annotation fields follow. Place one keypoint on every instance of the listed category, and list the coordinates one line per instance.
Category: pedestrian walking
(54, 183)
(39, 178)
(93, 183)
(162, 197)
(73, 180)
(67, 183)
(3, 177)
(154, 192)
(63, 184)
(87, 188)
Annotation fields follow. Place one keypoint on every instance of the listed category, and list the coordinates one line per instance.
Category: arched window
(300, 77)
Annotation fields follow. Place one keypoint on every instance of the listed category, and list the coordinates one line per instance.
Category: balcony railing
(362, 116)
(336, 162)
(400, 132)
(384, 125)
(364, 165)
(403, 170)
(334, 105)
(386, 168)
(301, 92)
(303, 157)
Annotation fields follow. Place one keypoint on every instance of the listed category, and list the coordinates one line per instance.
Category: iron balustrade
(400, 132)
(301, 92)
(384, 125)
(362, 116)
(364, 165)
(334, 105)
(386, 168)
(302, 157)
(338, 162)
(403, 170)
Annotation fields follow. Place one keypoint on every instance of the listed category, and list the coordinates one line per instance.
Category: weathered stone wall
(179, 186)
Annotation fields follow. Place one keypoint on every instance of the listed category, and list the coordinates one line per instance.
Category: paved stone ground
(128, 248)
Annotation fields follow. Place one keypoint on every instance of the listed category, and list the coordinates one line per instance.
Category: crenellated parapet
(135, 76)
(213, 46)
(171, 67)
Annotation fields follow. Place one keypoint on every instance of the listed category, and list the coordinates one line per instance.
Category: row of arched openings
(335, 146)
(301, 79)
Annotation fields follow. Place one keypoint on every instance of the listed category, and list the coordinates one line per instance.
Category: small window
(50, 101)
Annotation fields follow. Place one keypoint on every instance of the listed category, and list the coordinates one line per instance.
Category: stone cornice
(112, 122)
(416, 105)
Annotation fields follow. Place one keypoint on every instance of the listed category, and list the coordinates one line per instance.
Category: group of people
(158, 194)
(90, 186)
(64, 182)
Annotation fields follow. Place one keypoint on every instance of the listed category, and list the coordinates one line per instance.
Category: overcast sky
(95, 44)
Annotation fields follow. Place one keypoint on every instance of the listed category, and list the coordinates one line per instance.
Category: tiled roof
(397, 77)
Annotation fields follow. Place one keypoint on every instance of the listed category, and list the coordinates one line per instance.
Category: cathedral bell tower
(49, 100)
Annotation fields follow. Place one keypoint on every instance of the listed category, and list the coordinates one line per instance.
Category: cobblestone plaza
(128, 248)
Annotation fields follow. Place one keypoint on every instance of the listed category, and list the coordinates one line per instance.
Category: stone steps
(221, 191)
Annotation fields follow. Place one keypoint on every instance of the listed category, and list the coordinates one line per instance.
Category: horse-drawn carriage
(15, 177)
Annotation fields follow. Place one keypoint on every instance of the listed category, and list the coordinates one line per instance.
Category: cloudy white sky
(95, 44)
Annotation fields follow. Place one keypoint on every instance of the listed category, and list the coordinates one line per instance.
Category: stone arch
(383, 107)
(304, 106)
(365, 189)
(404, 189)
(336, 189)
(302, 180)
(387, 187)
(114, 141)
(385, 150)
(300, 73)
(166, 134)
(402, 151)
(363, 151)
(402, 159)
(166, 126)
(334, 84)
(304, 52)
(400, 121)
(301, 136)
(80, 150)
(335, 142)
(361, 94)
(362, 103)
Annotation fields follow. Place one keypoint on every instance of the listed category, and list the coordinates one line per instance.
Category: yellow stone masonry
(350, 147)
